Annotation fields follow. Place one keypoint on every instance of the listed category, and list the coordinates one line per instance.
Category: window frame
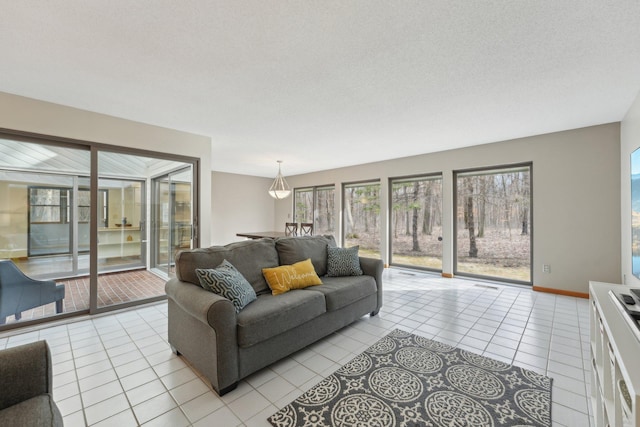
(492, 170)
(93, 149)
(345, 186)
(434, 176)
(314, 200)
(62, 209)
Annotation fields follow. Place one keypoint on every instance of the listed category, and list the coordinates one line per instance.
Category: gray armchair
(26, 394)
(19, 292)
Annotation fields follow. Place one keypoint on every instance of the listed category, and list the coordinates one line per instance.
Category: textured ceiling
(324, 84)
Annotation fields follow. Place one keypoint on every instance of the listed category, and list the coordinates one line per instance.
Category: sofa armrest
(26, 372)
(212, 309)
(374, 267)
(202, 326)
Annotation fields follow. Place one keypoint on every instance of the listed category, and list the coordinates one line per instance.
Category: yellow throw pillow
(295, 276)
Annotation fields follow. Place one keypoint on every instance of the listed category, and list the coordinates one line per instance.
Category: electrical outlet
(546, 268)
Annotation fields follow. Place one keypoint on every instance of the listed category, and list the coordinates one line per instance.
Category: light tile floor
(117, 369)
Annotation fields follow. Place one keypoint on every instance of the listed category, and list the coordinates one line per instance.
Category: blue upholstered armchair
(19, 292)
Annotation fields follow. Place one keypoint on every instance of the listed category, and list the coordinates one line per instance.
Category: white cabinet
(615, 360)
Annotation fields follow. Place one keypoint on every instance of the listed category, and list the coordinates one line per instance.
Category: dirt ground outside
(501, 253)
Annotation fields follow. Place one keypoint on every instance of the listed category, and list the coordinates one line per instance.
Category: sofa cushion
(249, 257)
(227, 282)
(37, 411)
(343, 262)
(287, 277)
(342, 291)
(271, 315)
(295, 249)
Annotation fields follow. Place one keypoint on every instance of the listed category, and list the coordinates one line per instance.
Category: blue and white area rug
(409, 380)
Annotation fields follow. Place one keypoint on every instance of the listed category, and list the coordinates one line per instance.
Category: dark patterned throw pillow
(227, 282)
(343, 262)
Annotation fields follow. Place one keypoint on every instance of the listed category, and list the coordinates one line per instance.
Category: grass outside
(480, 269)
(502, 254)
(519, 273)
(418, 261)
(369, 253)
(522, 273)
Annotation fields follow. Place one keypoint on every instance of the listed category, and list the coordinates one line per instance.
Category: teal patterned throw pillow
(343, 261)
(227, 282)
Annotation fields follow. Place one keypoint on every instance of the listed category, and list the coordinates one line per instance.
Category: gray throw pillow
(296, 249)
(343, 262)
(227, 282)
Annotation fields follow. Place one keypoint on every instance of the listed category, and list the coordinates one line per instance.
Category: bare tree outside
(493, 225)
(469, 216)
(416, 222)
(303, 205)
(362, 218)
(316, 205)
(493, 237)
(324, 210)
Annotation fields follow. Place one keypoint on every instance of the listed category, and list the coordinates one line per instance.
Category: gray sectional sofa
(226, 346)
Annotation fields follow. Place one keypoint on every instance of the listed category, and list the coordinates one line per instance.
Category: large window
(493, 226)
(51, 219)
(416, 222)
(361, 217)
(303, 205)
(316, 205)
(46, 205)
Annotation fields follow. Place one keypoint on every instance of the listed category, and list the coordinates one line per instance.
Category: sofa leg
(59, 307)
(228, 389)
(18, 316)
(174, 350)
(373, 313)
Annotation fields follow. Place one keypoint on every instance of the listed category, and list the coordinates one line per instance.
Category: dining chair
(306, 229)
(291, 229)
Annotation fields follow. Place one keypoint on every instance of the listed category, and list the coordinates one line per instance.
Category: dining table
(262, 234)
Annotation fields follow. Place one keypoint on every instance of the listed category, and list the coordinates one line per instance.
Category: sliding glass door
(53, 194)
(125, 238)
(172, 218)
(121, 231)
(44, 226)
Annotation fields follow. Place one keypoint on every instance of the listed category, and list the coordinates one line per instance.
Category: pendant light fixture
(279, 189)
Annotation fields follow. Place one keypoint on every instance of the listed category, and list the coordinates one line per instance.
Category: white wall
(576, 198)
(30, 115)
(629, 142)
(239, 203)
